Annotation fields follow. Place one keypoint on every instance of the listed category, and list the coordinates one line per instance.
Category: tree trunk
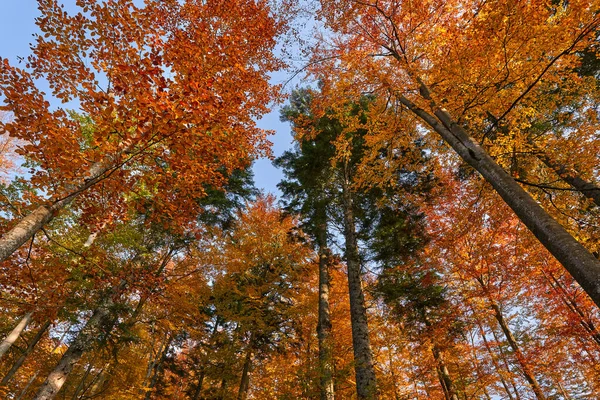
(494, 361)
(572, 305)
(81, 384)
(28, 226)
(158, 366)
(245, 381)
(527, 372)
(26, 388)
(26, 353)
(580, 263)
(324, 324)
(444, 375)
(14, 334)
(366, 384)
(198, 390)
(588, 189)
(82, 343)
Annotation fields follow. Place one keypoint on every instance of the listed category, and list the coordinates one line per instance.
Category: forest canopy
(435, 235)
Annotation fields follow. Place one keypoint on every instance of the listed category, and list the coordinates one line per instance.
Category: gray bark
(324, 325)
(366, 383)
(14, 334)
(580, 263)
(17, 364)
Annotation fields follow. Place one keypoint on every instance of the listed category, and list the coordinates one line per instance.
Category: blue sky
(17, 26)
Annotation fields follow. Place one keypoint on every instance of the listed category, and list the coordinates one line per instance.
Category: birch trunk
(17, 364)
(366, 384)
(15, 334)
(580, 263)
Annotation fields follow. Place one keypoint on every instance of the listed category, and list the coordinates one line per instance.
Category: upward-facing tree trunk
(83, 342)
(580, 263)
(525, 367)
(245, 380)
(366, 384)
(158, 366)
(27, 227)
(324, 324)
(444, 375)
(570, 176)
(17, 364)
(14, 334)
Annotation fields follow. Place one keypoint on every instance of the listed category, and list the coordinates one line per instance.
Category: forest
(436, 234)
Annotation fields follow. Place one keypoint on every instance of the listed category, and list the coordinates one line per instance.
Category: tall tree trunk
(366, 384)
(54, 348)
(26, 388)
(28, 226)
(158, 366)
(324, 324)
(82, 343)
(584, 320)
(17, 364)
(494, 360)
(198, 390)
(245, 380)
(525, 368)
(570, 176)
(580, 263)
(14, 334)
(81, 383)
(444, 375)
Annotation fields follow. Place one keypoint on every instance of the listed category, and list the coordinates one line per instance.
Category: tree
(171, 100)
(411, 55)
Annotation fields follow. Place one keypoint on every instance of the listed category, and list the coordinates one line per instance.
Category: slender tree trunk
(570, 176)
(32, 379)
(525, 368)
(366, 383)
(245, 380)
(494, 360)
(14, 334)
(444, 375)
(27, 227)
(198, 390)
(83, 342)
(572, 305)
(81, 383)
(26, 388)
(17, 364)
(324, 324)
(158, 367)
(580, 263)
